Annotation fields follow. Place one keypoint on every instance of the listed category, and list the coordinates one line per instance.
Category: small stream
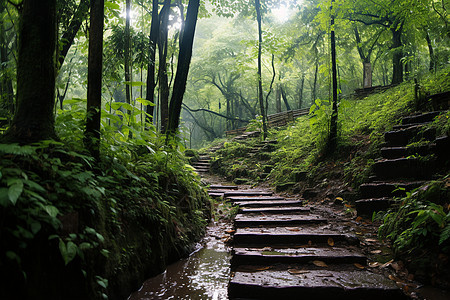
(203, 275)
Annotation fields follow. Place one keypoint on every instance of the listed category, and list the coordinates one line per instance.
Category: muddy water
(203, 275)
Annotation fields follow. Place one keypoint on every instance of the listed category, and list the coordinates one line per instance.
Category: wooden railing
(275, 120)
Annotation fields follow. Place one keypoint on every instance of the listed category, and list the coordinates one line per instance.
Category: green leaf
(71, 251)
(145, 102)
(118, 105)
(35, 227)
(51, 210)
(111, 5)
(15, 190)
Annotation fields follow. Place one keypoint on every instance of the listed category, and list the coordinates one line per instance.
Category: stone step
(247, 193)
(215, 195)
(258, 219)
(268, 256)
(404, 126)
(200, 167)
(367, 207)
(387, 189)
(404, 168)
(201, 163)
(398, 152)
(279, 210)
(299, 235)
(403, 137)
(269, 203)
(421, 118)
(254, 198)
(312, 284)
(223, 187)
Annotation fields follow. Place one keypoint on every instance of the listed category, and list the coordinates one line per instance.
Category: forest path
(285, 247)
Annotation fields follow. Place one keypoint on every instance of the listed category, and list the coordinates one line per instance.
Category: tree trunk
(278, 98)
(151, 82)
(162, 72)
(94, 90)
(285, 100)
(431, 51)
(260, 90)
(68, 37)
(127, 54)
(34, 119)
(300, 92)
(334, 115)
(184, 61)
(316, 73)
(397, 67)
(6, 87)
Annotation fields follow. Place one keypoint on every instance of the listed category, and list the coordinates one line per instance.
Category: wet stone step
(244, 220)
(301, 235)
(268, 255)
(255, 198)
(247, 193)
(224, 187)
(421, 118)
(367, 207)
(403, 136)
(198, 163)
(404, 126)
(387, 189)
(404, 168)
(277, 209)
(312, 284)
(215, 195)
(268, 203)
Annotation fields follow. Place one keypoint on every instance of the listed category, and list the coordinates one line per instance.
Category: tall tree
(334, 114)
(184, 60)
(151, 80)
(94, 90)
(34, 119)
(260, 89)
(128, 86)
(162, 71)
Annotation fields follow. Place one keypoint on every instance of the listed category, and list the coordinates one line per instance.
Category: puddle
(203, 275)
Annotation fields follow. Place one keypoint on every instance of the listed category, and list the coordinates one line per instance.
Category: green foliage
(421, 220)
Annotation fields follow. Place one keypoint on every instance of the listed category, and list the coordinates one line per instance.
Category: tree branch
(215, 113)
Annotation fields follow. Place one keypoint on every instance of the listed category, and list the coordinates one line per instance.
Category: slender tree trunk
(151, 81)
(34, 119)
(431, 51)
(127, 55)
(94, 92)
(184, 61)
(260, 90)
(6, 89)
(334, 114)
(162, 72)
(285, 100)
(69, 36)
(316, 73)
(300, 92)
(278, 98)
(397, 67)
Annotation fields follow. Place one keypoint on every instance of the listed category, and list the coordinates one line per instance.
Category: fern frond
(16, 149)
(445, 234)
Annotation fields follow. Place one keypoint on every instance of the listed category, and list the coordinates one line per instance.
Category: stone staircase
(285, 250)
(403, 168)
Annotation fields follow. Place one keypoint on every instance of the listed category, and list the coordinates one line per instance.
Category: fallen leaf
(330, 242)
(339, 198)
(293, 229)
(374, 264)
(358, 219)
(387, 264)
(359, 266)
(348, 205)
(230, 231)
(371, 240)
(375, 251)
(324, 275)
(295, 271)
(320, 263)
(248, 268)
